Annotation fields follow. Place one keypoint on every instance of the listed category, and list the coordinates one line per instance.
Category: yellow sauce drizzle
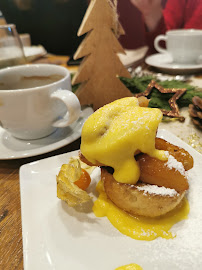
(132, 266)
(140, 228)
(114, 133)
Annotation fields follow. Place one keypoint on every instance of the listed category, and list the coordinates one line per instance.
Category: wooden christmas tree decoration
(99, 72)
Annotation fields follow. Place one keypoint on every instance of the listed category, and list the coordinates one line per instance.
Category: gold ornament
(174, 113)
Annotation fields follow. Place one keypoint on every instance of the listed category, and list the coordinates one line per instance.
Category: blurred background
(50, 23)
(54, 23)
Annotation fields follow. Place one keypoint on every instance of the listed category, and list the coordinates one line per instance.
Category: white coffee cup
(184, 45)
(36, 99)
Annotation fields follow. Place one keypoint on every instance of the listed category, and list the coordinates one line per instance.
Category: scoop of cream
(115, 132)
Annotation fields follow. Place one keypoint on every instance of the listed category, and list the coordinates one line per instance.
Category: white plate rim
(27, 167)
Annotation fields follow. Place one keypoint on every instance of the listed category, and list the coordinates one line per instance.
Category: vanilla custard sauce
(131, 266)
(115, 132)
(139, 228)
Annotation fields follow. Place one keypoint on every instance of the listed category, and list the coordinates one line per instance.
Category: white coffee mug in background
(36, 99)
(184, 45)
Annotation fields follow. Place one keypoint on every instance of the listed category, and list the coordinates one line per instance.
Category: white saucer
(13, 148)
(164, 63)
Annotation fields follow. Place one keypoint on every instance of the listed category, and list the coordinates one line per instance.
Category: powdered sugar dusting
(166, 153)
(173, 163)
(154, 189)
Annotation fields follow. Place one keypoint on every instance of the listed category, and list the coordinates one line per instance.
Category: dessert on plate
(144, 176)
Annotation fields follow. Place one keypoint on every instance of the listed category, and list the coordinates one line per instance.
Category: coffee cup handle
(73, 107)
(156, 43)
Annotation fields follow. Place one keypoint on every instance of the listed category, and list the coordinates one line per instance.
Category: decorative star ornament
(174, 113)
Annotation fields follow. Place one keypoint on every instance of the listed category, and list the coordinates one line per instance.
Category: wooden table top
(11, 247)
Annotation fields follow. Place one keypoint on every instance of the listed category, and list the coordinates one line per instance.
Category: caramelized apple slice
(178, 153)
(155, 171)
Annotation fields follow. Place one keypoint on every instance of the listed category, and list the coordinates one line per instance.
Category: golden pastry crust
(134, 201)
(137, 202)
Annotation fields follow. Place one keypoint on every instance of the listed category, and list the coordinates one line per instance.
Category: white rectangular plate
(59, 237)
